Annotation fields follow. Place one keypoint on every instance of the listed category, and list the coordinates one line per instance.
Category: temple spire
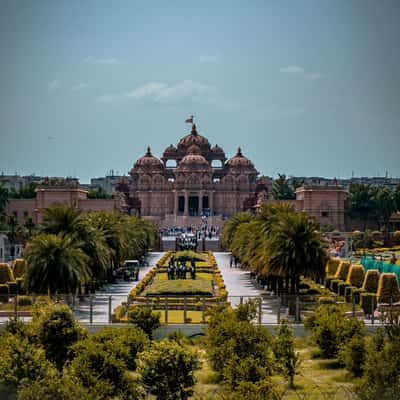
(148, 154)
(239, 152)
(194, 131)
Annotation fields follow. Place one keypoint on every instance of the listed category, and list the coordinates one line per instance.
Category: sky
(305, 88)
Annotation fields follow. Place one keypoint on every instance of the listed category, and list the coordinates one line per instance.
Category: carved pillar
(211, 202)
(201, 201)
(186, 212)
(175, 202)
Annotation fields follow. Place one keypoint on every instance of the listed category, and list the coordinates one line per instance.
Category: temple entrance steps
(186, 221)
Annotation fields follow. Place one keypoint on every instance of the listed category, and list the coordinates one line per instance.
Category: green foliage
(353, 355)
(27, 191)
(330, 328)
(287, 359)
(6, 274)
(334, 285)
(4, 293)
(247, 311)
(368, 303)
(187, 255)
(356, 276)
(371, 281)
(342, 287)
(21, 363)
(145, 319)
(125, 342)
(98, 193)
(281, 189)
(199, 286)
(260, 390)
(19, 267)
(167, 370)
(57, 330)
(231, 338)
(388, 288)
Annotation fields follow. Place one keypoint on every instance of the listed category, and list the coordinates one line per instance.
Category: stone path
(239, 284)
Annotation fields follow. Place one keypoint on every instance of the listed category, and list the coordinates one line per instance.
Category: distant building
(108, 183)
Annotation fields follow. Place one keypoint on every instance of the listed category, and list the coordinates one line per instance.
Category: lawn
(199, 286)
(177, 316)
(163, 276)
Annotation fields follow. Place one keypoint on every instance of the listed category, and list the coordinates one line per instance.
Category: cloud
(292, 69)
(80, 86)
(93, 60)
(54, 85)
(208, 59)
(158, 92)
(301, 72)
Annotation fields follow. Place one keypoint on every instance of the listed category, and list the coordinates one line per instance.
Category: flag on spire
(190, 120)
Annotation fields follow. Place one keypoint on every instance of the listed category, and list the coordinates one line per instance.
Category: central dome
(194, 139)
(194, 163)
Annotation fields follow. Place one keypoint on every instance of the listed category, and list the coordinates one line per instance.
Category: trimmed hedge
(19, 267)
(6, 274)
(335, 285)
(332, 266)
(388, 288)
(356, 276)
(328, 281)
(4, 292)
(368, 303)
(326, 300)
(371, 281)
(348, 293)
(20, 286)
(343, 270)
(341, 288)
(12, 287)
(357, 295)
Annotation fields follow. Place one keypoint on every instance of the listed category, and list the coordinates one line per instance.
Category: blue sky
(304, 87)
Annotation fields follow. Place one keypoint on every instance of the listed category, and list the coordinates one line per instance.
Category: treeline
(279, 245)
(71, 249)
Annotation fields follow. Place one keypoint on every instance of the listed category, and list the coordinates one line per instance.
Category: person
(183, 270)
(230, 262)
(393, 259)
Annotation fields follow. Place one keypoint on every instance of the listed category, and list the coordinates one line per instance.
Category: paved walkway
(239, 285)
(118, 291)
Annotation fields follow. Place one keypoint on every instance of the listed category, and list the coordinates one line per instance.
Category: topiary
(348, 293)
(6, 274)
(24, 301)
(357, 295)
(371, 281)
(334, 285)
(356, 275)
(326, 300)
(12, 288)
(332, 266)
(368, 303)
(19, 267)
(341, 288)
(4, 293)
(343, 270)
(388, 288)
(20, 286)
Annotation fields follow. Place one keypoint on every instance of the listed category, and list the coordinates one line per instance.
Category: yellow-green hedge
(388, 288)
(19, 267)
(371, 281)
(356, 275)
(6, 274)
(343, 270)
(332, 266)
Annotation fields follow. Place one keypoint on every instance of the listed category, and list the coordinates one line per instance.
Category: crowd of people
(178, 269)
(203, 231)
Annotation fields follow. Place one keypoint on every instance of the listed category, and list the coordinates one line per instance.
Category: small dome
(217, 149)
(194, 163)
(239, 161)
(149, 163)
(171, 149)
(193, 149)
(194, 138)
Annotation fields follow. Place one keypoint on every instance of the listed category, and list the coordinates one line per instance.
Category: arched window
(217, 164)
(170, 164)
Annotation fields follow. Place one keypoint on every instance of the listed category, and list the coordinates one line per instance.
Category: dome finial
(239, 152)
(148, 152)
(194, 131)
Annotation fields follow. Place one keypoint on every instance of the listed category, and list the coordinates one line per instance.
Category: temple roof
(194, 163)
(148, 163)
(194, 138)
(240, 162)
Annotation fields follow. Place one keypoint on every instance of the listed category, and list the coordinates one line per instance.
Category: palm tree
(281, 189)
(296, 249)
(57, 264)
(230, 226)
(61, 218)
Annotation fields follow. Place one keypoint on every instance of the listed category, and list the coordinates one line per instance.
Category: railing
(98, 308)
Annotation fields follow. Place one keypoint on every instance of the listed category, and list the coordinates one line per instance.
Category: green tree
(4, 196)
(231, 225)
(167, 370)
(61, 219)
(360, 202)
(385, 202)
(145, 319)
(57, 264)
(281, 189)
(57, 330)
(99, 193)
(287, 359)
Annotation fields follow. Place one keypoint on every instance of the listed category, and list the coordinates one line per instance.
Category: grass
(198, 286)
(177, 316)
(163, 276)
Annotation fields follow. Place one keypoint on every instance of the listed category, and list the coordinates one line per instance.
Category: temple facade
(192, 179)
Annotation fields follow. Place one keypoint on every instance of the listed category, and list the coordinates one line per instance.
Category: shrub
(304, 285)
(343, 270)
(371, 281)
(57, 329)
(19, 267)
(285, 355)
(356, 275)
(353, 355)
(24, 301)
(125, 342)
(4, 293)
(335, 285)
(6, 274)
(388, 288)
(330, 328)
(341, 288)
(326, 300)
(328, 281)
(145, 319)
(12, 287)
(167, 370)
(332, 266)
(357, 295)
(311, 292)
(368, 303)
(348, 293)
